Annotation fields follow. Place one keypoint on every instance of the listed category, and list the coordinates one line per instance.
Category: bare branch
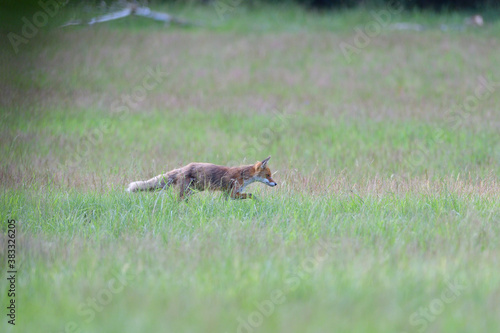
(133, 10)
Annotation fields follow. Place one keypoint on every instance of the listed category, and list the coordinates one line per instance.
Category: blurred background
(382, 120)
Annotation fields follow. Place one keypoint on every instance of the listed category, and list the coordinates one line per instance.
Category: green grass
(385, 219)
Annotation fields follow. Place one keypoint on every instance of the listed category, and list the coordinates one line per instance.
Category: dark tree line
(438, 5)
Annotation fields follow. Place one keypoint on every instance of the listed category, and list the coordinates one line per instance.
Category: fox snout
(271, 182)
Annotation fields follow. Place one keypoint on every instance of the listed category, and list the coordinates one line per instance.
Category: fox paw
(253, 197)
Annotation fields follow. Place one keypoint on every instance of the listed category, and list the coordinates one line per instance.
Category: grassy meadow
(386, 214)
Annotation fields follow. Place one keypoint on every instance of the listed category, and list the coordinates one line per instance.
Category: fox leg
(185, 190)
(237, 195)
(243, 196)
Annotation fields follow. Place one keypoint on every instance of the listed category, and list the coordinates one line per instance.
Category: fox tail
(154, 183)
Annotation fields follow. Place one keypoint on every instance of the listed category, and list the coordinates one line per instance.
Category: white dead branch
(133, 10)
(158, 16)
(111, 16)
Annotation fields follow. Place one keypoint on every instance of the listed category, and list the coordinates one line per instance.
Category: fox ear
(264, 162)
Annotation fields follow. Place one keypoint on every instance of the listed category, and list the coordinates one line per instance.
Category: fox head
(263, 173)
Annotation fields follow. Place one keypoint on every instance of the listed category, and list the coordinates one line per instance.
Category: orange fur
(206, 176)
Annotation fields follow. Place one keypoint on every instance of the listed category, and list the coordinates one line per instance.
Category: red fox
(203, 176)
